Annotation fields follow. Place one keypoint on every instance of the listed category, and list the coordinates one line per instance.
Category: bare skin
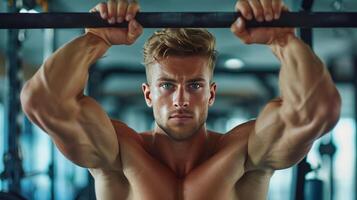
(180, 158)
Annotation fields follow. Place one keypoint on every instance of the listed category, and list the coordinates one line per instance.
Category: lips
(181, 116)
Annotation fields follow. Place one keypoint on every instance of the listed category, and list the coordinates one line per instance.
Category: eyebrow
(197, 80)
(165, 79)
(189, 81)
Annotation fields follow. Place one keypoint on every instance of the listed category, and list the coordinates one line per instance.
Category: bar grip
(175, 20)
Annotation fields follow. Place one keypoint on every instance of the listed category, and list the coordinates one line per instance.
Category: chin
(180, 132)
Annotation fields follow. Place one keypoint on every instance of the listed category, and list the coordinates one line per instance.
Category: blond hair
(180, 42)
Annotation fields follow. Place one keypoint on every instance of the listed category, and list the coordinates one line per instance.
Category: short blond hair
(180, 42)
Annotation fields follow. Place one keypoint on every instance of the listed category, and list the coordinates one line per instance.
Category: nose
(181, 98)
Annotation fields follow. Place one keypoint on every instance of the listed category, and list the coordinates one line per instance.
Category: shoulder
(241, 131)
(124, 132)
(238, 136)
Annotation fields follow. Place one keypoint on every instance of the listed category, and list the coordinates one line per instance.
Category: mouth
(181, 116)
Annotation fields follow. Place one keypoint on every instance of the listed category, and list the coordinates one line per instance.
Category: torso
(221, 175)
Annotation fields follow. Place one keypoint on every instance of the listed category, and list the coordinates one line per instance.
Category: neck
(180, 156)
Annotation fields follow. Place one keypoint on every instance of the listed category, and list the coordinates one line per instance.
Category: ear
(212, 97)
(147, 94)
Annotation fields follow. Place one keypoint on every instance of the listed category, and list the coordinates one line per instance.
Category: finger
(277, 7)
(244, 8)
(122, 9)
(134, 31)
(257, 10)
(112, 11)
(102, 9)
(133, 8)
(239, 29)
(268, 9)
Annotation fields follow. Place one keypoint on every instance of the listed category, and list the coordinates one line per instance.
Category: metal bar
(307, 4)
(304, 167)
(49, 41)
(355, 120)
(12, 160)
(175, 20)
(13, 171)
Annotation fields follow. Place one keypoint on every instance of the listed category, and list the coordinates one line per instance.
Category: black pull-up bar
(175, 20)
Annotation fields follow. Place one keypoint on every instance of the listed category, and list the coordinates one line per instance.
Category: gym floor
(240, 97)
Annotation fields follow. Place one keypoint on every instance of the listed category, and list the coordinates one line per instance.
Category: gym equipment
(175, 20)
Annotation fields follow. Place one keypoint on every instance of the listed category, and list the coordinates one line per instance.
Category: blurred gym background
(246, 78)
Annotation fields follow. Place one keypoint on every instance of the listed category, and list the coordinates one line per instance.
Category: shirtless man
(180, 158)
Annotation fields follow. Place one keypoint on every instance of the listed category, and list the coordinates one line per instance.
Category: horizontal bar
(175, 20)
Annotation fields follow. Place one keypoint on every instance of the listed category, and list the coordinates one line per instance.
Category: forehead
(181, 68)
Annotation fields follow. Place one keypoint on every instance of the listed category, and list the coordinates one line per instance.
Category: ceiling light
(23, 10)
(234, 63)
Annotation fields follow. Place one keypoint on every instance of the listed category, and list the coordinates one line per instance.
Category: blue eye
(166, 86)
(195, 86)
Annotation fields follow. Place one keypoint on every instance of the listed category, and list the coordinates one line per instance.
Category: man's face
(180, 94)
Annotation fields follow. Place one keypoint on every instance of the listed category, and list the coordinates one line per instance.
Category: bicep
(81, 130)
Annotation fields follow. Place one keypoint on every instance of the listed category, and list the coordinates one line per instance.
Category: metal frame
(354, 81)
(12, 161)
(175, 20)
(303, 167)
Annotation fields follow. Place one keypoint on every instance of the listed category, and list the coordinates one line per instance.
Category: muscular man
(180, 158)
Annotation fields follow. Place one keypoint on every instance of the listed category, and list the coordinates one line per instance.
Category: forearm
(300, 69)
(64, 74)
(307, 90)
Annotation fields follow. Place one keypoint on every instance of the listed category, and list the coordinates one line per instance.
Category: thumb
(134, 31)
(240, 30)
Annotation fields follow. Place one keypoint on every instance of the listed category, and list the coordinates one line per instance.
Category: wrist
(97, 38)
(282, 40)
(280, 43)
(95, 46)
